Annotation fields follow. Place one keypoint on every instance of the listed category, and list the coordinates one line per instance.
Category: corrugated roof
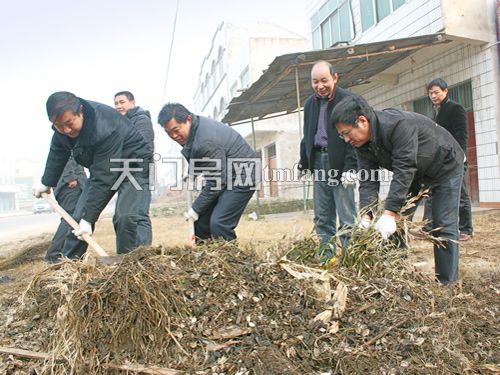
(275, 91)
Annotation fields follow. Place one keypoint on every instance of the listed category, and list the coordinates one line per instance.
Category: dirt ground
(478, 257)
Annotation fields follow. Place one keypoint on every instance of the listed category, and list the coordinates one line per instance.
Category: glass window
(335, 26)
(397, 3)
(345, 23)
(245, 78)
(325, 34)
(383, 9)
(367, 14)
(316, 38)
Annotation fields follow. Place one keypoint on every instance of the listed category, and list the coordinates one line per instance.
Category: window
(234, 90)
(220, 62)
(245, 78)
(383, 9)
(367, 14)
(332, 24)
(374, 11)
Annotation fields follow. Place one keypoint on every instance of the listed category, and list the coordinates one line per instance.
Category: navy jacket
(216, 141)
(413, 147)
(72, 171)
(105, 135)
(341, 155)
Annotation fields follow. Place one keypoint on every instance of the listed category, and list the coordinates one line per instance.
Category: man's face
(179, 132)
(69, 124)
(356, 136)
(123, 104)
(323, 83)
(437, 95)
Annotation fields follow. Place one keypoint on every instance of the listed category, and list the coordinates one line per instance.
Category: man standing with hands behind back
(321, 150)
(451, 116)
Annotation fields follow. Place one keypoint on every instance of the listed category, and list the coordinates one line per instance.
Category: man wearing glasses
(331, 161)
(418, 152)
(117, 156)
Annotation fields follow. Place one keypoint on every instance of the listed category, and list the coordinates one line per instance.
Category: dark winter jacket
(105, 135)
(452, 117)
(217, 142)
(413, 147)
(341, 155)
(72, 171)
(142, 121)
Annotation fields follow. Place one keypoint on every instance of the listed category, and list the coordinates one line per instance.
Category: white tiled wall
(457, 65)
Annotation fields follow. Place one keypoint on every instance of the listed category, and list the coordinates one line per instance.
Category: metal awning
(285, 85)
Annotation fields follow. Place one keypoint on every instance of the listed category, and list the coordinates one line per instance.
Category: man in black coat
(68, 190)
(117, 157)
(332, 162)
(125, 104)
(227, 162)
(451, 116)
(418, 152)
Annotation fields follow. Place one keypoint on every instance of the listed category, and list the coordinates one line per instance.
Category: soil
(467, 314)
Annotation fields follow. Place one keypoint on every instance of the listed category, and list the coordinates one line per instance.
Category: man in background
(451, 116)
(125, 104)
(68, 190)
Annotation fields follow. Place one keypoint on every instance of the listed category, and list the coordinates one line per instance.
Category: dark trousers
(222, 217)
(125, 219)
(464, 213)
(331, 199)
(67, 199)
(144, 228)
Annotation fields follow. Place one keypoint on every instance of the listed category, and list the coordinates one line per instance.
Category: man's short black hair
(173, 110)
(349, 109)
(441, 83)
(128, 94)
(61, 101)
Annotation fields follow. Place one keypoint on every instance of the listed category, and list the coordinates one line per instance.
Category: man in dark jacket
(227, 162)
(68, 190)
(451, 116)
(332, 162)
(418, 152)
(125, 104)
(117, 156)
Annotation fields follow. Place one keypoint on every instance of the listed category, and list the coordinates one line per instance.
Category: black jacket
(452, 117)
(105, 135)
(72, 171)
(413, 147)
(216, 141)
(341, 155)
(142, 121)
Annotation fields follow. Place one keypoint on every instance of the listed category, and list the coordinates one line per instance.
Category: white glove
(386, 225)
(191, 214)
(365, 222)
(39, 188)
(85, 227)
(348, 178)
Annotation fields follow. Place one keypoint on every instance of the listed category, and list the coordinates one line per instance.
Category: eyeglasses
(345, 134)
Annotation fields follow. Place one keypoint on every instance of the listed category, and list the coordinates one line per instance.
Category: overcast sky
(96, 48)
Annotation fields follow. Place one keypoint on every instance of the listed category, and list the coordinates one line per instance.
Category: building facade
(237, 57)
(469, 64)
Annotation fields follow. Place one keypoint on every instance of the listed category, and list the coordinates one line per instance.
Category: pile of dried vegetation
(219, 309)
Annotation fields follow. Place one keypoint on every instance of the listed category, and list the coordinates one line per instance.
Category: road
(23, 226)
